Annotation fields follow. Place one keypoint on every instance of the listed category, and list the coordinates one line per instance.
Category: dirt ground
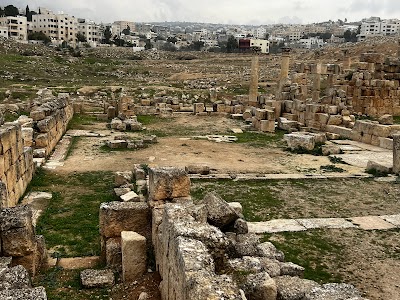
(177, 149)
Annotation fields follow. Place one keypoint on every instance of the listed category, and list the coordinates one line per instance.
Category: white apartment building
(311, 43)
(118, 26)
(262, 44)
(17, 27)
(390, 27)
(4, 32)
(59, 27)
(261, 33)
(90, 31)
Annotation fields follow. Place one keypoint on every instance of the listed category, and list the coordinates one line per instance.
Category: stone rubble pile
(202, 250)
(126, 142)
(15, 283)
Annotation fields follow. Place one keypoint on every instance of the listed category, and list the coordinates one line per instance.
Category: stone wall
(50, 122)
(16, 165)
(19, 241)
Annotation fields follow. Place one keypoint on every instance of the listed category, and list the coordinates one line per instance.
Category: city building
(311, 43)
(17, 27)
(90, 31)
(58, 27)
(4, 32)
(256, 45)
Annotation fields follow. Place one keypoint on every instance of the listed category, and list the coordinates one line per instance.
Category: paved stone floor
(291, 225)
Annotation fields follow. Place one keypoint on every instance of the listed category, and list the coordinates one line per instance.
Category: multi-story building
(59, 27)
(261, 33)
(90, 31)
(390, 27)
(311, 43)
(252, 44)
(119, 26)
(17, 27)
(4, 31)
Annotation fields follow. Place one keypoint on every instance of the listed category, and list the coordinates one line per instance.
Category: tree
(127, 31)
(107, 35)
(168, 47)
(232, 44)
(172, 39)
(148, 45)
(27, 12)
(1, 12)
(196, 46)
(39, 36)
(11, 11)
(81, 38)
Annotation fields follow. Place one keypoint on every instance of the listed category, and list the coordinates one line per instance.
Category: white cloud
(224, 11)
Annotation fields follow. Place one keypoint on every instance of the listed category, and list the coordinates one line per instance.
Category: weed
(310, 249)
(260, 140)
(331, 168)
(337, 160)
(78, 121)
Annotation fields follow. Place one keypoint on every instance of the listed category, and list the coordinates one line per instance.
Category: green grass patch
(317, 151)
(258, 200)
(396, 119)
(260, 140)
(70, 221)
(79, 121)
(13, 116)
(63, 284)
(310, 249)
(74, 142)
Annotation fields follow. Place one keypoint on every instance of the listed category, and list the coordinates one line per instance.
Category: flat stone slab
(36, 196)
(331, 223)
(361, 158)
(84, 133)
(74, 263)
(350, 148)
(363, 146)
(273, 226)
(393, 219)
(237, 130)
(372, 223)
(97, 278)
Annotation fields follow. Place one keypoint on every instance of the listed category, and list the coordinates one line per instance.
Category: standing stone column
(331, 80)
(346, 60)
(285, 63)
(396, 153)
(134, 258)
(316, 87)
(253, 89)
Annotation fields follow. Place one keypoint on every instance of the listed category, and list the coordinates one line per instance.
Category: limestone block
(38, 114)
(386, 120)
(130, 197)
(134, 257)
(267, 125)
(139, 173)
(237, 207)
(37, 293)
(97, 278)
(168, 183)
(268, 250)
(333, 291)
(199, 108)
(198, 169)
(116, 217)
(378, 167)
(335, 120)
(291, 269)
(14, 278)
(300, 141)
(42, 140)
(122, 178)
(121, 191)
(219, 213)
(113, 253)
(260, 287)
(289, 287)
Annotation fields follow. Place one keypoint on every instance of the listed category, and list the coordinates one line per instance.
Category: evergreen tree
(11, 11)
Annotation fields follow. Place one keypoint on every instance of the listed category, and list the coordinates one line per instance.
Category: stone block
(14, 278)
(113, 254)
(198, 169)
(37, 293)
(289, 287)
(168, 183)
(260, 287)
(130, 197)
(267, 125)
(116, 217)
(97, 278)
(299, 140)
(219, 213)
(134, 257)
(122, 178)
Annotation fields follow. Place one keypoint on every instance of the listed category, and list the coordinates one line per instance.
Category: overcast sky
(254, 12)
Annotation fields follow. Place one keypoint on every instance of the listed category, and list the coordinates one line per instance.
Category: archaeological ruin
(157, 220)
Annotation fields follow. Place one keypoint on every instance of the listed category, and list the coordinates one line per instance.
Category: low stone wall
(16, 165)
(19, 241)
(50, 121)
